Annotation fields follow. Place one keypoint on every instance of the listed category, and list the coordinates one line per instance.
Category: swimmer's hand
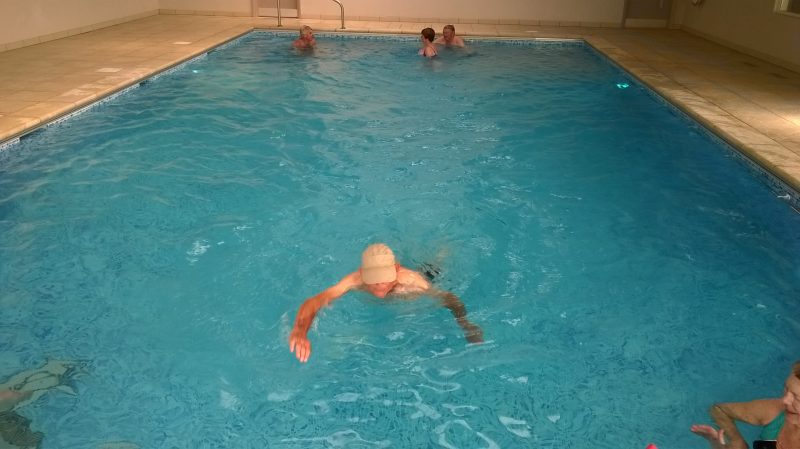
(715, 438)
(473, 333)
(300, 345)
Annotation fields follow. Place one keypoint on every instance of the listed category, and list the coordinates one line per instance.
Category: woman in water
(779, 418)
(427, 37)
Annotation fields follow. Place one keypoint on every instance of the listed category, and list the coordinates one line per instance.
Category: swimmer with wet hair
(306, 39)
(426, 38)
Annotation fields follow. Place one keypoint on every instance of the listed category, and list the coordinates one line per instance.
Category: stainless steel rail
(341, 7)
(279, 13)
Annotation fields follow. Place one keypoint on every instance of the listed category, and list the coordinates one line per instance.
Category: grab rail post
(341, 7)
(279, 13)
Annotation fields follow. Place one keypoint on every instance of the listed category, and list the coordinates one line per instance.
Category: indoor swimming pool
(626, 267)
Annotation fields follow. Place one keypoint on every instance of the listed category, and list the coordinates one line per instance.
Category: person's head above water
(449, 31)
(378, 264)
(378, 269)
(429, 34)
(791, 394)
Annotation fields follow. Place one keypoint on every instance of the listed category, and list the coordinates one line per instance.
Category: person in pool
(381, 276)
(780, 418)
(426, 38)
(306, 39)
(449, 37)
(24, 388)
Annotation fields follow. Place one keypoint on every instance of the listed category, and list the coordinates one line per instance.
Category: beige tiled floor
(752, 104)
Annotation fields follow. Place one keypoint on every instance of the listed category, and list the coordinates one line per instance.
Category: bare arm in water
(298, 338)
(472, 332)
(759, 413)
(409, 283)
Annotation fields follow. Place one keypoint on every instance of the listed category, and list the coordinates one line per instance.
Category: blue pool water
(626, 269)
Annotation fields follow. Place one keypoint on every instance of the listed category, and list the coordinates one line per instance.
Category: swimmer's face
(448, 34)
(380, 289)
(791, 398)
(307, 35)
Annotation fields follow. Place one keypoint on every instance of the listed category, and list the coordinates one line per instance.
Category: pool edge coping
(10, 138)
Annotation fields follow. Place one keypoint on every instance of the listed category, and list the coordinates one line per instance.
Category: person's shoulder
(407, 276)
(347, 283)
(353, 278)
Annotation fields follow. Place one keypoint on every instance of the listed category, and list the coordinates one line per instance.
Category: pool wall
(732, 24)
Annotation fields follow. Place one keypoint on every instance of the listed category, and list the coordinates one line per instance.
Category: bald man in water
(381, 276)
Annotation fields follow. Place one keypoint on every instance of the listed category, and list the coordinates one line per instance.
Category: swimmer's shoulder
(411, 278)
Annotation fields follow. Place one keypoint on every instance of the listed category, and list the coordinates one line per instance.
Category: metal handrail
(341, 6)
(279, 13)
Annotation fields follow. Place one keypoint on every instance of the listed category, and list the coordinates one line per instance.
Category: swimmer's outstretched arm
(472, 332)
(298, 338)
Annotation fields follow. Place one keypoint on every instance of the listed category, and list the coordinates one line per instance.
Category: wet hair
(304, 28)
(796, 369)
(451, 27)
(429, 34)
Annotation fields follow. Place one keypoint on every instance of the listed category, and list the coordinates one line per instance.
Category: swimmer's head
(448, 32)
(791, 395)
(306, 32)
(429, 34)
(378, 269)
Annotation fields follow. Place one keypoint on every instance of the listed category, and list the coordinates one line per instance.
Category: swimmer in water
(426, 40)
(381, 276)
(24, 388)
(449, 37)
(306, 41)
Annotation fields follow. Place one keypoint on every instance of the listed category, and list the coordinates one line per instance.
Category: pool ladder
(341, 8)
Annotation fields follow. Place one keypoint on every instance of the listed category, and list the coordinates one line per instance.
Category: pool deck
(752, 104)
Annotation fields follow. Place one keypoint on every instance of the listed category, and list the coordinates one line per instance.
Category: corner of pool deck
(750, 103)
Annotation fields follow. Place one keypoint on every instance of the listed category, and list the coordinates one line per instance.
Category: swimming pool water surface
(626, 269)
